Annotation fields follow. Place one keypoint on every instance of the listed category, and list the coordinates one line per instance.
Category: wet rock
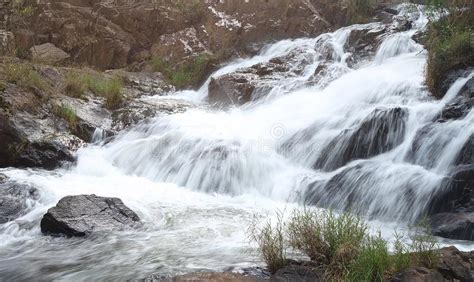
(455, 265)
(298, 273)
(457, 193)
(418, 274)
(363, 42)
(84, 214)
(457, 109)
(466, 155)
(380, 132)
(204, 277)
(458, 226)
(19, 146)
(467, 91)
(48, 53)
(14, 199)
(258, 81)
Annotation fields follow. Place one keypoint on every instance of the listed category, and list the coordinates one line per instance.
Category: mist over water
(197, 178)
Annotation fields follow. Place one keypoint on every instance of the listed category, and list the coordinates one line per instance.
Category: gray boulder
(84, 214)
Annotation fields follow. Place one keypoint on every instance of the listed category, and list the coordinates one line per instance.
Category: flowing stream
(197, 178)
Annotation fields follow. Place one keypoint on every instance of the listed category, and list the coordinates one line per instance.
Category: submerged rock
(457, 194)
(458, 226)
(380, 132)
(14, 199)
(84, 214)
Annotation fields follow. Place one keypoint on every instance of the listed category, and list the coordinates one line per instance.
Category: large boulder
(455, 265)
(458, 226)
(380, 132)
(48, 53)
(14, 199)
(19, 147)
(84, 214)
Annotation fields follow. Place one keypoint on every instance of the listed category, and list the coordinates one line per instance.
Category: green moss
(185, 74)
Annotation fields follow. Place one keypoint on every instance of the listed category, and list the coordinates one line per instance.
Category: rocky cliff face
(115, 34)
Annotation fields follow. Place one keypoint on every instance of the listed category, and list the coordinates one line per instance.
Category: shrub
(185, 74)
(270, 240)
(449, 43)
(25, 76)
(67, 113)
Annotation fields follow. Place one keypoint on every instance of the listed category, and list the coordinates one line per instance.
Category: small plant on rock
(270, 240)
(67, 113)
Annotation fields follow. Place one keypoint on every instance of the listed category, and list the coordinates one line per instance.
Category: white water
(197, 178)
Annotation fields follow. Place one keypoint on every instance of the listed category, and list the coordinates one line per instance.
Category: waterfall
(361, 135)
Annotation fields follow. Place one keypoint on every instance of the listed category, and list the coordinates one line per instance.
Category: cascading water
(196, 178)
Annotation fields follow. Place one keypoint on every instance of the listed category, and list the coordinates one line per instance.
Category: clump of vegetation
(342, 245)
(424, 246)
(449, 41)
(184, 74)
(75, 86)
(270, 239)
(67, 113)
(24, 75)
(109, 88)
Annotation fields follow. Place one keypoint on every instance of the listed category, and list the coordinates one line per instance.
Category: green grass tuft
(67, 113)
(185, 74)
(24, 75)
(109, 88)
(270, 239)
